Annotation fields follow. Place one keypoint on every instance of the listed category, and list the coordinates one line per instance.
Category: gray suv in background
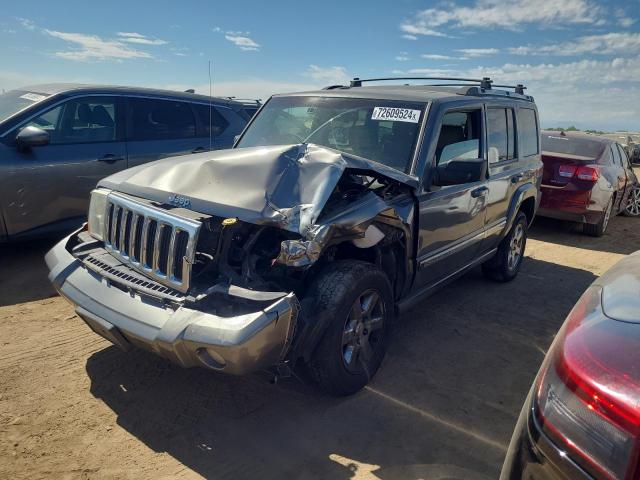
(58, 140)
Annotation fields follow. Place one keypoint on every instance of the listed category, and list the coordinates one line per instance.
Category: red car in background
(586, 179)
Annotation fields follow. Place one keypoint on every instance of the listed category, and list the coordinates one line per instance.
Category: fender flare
(524, 192)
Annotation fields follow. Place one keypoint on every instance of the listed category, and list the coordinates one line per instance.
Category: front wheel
(355, 299)
(633, 204)
(504, 266)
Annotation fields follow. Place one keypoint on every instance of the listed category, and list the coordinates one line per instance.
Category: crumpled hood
(286, 186)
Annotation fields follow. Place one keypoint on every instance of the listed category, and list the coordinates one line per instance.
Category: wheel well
(528, 207)
(389, 255)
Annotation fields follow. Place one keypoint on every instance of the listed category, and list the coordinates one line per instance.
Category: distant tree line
(572, 128)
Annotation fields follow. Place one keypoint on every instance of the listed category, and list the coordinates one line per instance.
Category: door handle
(199, 150)
(479, 192)
(111, 158)
(517, 178)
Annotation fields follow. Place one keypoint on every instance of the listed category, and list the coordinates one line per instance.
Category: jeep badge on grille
(179, 201)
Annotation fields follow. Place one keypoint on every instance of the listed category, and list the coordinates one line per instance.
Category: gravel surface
(442, 406)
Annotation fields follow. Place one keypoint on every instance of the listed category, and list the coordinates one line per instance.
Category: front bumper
(189, 337)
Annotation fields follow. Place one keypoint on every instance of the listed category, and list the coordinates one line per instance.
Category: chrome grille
(154, 242)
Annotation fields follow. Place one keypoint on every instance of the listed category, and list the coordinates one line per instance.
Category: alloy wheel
(362, 330)
(516, 247)
(633, 205)
(607, 215)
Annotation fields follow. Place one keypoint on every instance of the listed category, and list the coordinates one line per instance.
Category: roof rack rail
(485, 82)
(257, 101)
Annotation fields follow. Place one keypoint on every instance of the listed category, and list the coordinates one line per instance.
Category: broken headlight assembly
(97, 213)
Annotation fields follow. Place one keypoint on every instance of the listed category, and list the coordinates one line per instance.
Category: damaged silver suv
(336, 210)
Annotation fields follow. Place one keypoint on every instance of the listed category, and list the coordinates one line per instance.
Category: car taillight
(588, 391)
(567, 171)
(588, 173)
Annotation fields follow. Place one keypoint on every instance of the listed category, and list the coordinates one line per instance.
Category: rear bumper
(189, 337)
(574, 206)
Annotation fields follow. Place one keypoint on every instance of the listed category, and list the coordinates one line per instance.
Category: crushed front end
(163, 280)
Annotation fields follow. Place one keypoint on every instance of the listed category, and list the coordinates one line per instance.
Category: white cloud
(433, 56)
(605, 44)
(324, 76)
(409, 37)
(243, 42)
(507, 14)
(93, 48)
(624, 20)
(133, 37)
(28, 24)
(478, 52)
(403, 57)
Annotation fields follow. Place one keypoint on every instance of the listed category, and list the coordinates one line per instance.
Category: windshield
(15, 100)
(582, 147)
(384, 131)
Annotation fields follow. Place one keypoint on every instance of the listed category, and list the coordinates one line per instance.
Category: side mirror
(32, 137)
(459, 171)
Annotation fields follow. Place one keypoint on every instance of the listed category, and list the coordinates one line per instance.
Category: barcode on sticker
(34, 97)
(396, 114)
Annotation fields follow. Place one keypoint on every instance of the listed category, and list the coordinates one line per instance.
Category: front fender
(524, 192)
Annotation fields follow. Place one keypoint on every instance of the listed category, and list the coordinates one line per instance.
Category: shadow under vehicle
(335, 210)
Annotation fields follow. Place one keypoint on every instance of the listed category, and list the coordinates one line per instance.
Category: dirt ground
(442, 406)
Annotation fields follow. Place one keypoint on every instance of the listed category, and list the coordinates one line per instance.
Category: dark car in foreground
(581, 419)
(587, 179)
(58, 140)
(335, 210)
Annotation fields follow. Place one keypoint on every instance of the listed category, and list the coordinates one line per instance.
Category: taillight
(588, 392)
(567, 171)
(588, 173)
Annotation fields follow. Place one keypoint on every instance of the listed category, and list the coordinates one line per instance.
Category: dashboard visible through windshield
(384, 131)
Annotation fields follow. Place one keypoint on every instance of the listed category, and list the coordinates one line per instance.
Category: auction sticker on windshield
(396, 114)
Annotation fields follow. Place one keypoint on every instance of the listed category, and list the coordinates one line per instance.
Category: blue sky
(580, 59)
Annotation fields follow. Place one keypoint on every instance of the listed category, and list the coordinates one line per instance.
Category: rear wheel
(598, 229)
(633, 204)
(357, 301)
(504, 266)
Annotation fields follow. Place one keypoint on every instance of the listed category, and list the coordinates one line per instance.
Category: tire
(505, 265)
(355, 299)
(598, 229)
(633, 205)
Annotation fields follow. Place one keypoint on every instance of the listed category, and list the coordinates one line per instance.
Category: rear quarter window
(161, 119)
(528, 132)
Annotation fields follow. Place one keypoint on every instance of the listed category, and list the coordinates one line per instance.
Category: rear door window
(214, 118)
(161, 119)
(528, 132)
(501, 134)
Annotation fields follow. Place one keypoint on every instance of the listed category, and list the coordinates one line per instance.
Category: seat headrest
(84, 113)
(100, 116)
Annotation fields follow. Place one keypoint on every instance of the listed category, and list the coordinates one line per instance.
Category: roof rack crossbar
(484, 82)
